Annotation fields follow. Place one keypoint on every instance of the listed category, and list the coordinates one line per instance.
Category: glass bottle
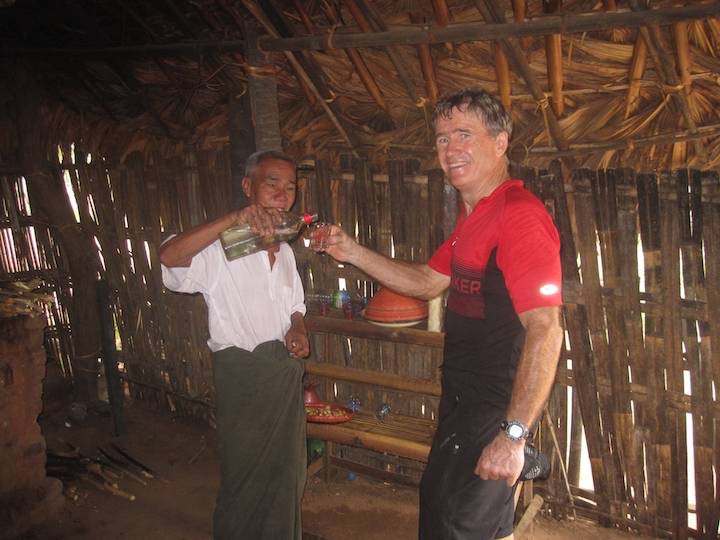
(241, 240)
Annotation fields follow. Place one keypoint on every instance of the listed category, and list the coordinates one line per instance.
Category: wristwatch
(514, 430)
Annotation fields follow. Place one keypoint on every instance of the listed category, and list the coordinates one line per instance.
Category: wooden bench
(398, 435)
(403, 436)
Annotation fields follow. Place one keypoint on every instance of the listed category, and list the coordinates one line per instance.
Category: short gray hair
(476, 100)
(252, 162)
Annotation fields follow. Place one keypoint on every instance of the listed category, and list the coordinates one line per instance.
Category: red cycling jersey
(502, 259)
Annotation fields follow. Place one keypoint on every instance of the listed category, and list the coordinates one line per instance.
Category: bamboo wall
(639, 374)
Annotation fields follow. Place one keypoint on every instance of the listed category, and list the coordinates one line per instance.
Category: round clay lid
(387, 307)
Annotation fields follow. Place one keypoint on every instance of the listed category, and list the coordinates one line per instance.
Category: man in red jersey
(502, 324)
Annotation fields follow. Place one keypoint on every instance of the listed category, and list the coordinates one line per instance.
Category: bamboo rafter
(364, 17)
(459, 32)
(667, 71)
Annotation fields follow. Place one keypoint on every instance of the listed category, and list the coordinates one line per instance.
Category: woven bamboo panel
(638, 374)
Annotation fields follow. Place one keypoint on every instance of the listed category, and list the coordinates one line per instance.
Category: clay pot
(388, 308)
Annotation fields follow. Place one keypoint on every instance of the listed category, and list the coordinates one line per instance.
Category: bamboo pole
(442, 12)
(304, 17)
(356, 59)
(658, 458)
(561, 460)
(442, 16)
(553, 54)
(666, 69)
(453, 33)
(519, 8)
(344, 434)
(626, 190)
(697, 342)
(373, 378)
(475, 31)
(502, 73)
(332, 325)
(585, 335)
(703, 132)
(426, 64)
(675, 436)
(363, 16)
(491, 13)
(620, 417)
(682, 50)
(708, 507)
(635, 76)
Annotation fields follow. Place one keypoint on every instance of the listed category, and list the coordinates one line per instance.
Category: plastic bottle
(241, 240)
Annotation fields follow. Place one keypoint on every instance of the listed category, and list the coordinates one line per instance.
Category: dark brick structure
(27, 495)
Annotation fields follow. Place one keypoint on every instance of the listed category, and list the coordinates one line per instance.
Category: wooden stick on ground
(551, 427)
(106, 486)
(528, 516)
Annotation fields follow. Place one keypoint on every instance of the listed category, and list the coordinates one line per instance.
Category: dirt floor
(178, 503)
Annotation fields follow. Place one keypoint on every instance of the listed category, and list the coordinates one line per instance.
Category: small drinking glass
(319, 234)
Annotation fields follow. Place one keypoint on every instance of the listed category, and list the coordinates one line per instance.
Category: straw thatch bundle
(618, 107)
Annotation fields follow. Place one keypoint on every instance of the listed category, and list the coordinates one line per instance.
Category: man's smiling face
(469, 155)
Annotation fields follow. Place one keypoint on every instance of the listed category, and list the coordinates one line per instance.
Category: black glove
(536, 466)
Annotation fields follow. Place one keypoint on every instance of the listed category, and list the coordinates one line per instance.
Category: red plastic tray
(339, 413)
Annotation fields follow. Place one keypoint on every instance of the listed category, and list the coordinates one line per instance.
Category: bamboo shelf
(375, 378)
(362, 329)
(400, 435)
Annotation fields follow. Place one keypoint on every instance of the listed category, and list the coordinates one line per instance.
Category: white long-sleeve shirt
(248, 302)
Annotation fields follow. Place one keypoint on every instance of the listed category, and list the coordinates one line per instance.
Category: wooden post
(242, 144)
(49, 202)
(263, 96)
(109, 359)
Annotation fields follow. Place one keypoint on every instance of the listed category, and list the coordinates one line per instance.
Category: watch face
(515, 431)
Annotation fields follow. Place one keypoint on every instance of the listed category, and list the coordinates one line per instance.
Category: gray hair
(478, 101)
(252, 162)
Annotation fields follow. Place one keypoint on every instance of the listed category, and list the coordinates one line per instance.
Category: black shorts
(455, 504)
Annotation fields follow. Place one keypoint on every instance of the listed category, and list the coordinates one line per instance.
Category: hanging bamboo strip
(639, 437)
(696, 339)
(396, 173)
(607, 481)
(709, 506)
(658, 453)
(621, 419)
(674, 369)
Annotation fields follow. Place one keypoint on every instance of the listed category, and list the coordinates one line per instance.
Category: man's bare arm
(537, 365)
(180, 249)
(503, 459)
(411, 279)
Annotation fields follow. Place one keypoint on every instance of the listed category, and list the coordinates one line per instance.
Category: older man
(502, 326)
(256, 319)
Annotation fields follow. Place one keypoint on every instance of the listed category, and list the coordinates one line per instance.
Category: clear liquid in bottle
(241, 240)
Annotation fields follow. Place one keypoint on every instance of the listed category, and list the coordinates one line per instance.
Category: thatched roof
(609, 90)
